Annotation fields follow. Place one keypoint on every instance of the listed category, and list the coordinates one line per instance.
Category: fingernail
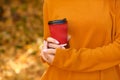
(56, 42)
(63, 45)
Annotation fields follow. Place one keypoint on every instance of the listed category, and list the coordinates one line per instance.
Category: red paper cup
(59, 30)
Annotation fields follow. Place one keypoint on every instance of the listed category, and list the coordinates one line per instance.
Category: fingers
(49, 51)
(53, 43)
(45, 44)
(50, 58)
(52, 40)
(49, 47)
(48, 55)
(45, 52)
(43, 56)
(54, 46)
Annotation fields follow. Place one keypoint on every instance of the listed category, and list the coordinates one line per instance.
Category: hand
(48, 54)
(54, 44)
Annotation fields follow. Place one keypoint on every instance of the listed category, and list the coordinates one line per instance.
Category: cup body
(59, 30)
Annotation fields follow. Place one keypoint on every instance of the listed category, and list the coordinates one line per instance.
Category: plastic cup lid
(57, 21)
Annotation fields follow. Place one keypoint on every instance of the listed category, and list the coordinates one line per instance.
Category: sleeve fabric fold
(45, 20)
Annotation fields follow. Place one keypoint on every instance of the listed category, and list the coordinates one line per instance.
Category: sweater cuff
(60, 58)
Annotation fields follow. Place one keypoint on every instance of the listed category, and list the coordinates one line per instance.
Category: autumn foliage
(20, 38)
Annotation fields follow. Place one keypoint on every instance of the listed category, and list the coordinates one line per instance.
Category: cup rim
(62, 21)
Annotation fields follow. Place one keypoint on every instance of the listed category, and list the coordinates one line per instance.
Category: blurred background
(21, 31)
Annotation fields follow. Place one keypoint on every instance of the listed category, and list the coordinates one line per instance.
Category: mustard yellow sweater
(94, 26)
